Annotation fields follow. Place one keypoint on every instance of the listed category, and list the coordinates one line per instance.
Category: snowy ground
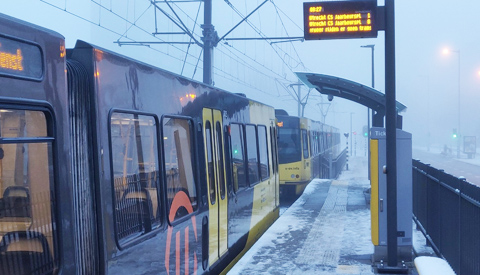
(437, 149)
(459, 167)
(326, 231)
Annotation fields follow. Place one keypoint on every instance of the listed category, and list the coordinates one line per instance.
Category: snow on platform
(326, 231)
(433, 266)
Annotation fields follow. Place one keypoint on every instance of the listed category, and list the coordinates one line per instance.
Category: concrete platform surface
(326, 231)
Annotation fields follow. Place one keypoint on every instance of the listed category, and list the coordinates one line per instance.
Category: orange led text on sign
(11, 61)
(316, 9)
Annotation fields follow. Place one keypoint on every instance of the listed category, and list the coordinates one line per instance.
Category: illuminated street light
(447, 51)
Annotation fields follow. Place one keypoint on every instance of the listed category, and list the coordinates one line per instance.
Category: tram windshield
(289, 145)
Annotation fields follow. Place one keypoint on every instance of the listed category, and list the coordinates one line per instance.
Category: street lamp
(447, 51)
(368, 109)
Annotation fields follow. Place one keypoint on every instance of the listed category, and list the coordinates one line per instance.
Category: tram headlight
(292, 176)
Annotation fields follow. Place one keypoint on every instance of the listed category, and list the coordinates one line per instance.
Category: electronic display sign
(340, 19)
(20, 59)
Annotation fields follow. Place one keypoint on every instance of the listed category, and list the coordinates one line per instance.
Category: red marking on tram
(180, 200)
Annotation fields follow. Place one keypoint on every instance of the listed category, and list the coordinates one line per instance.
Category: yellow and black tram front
(293, 154)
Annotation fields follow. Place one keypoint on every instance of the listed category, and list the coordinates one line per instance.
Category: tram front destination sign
(340, 19)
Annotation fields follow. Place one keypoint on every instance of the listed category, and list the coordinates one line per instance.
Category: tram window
(324, 141)
(273, 149)
(329, 141)
(289, 145)
(252, 154)
(220, 162)
(313, 150)
(179, 159)
(305, 144)
(135, 174)
(310, 147)
(238, 156)
(318, 141)
(210, 168)
(262, 148)
(26, 194)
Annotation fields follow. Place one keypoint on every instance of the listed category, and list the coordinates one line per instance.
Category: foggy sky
(426, 80)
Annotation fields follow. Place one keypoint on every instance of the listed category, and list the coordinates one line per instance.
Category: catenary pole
(209, 37)
(391, 128)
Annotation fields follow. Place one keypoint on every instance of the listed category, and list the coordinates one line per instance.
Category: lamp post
(368, 109)
(373, 79)
(446, 52)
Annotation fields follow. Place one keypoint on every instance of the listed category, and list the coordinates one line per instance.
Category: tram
(305, 148)
(112, 166)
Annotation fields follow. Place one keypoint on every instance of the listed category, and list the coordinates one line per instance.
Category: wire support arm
(285, 38)
(146, 43)
(179, 1)
(245, 18)
(182, 26)
(167, 33)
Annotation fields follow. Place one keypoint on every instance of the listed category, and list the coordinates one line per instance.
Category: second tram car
(305, 148)
(112, 166)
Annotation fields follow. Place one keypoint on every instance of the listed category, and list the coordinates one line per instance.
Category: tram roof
(336, 86)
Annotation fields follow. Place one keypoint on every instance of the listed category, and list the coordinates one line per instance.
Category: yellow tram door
(216, 184)
(306, 171)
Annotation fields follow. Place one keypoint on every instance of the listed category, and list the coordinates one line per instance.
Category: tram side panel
(120, 178)
(264, 200)
(149, 202)
(315, 138)
(137, 103)
(34, 151)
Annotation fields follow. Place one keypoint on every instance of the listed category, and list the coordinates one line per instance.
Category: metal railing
(447, 210)
(334, 166)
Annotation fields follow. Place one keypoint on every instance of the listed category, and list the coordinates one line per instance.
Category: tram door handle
(381, 205)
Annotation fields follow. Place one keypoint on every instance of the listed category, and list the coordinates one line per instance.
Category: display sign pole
(363, 19)
(391, 128)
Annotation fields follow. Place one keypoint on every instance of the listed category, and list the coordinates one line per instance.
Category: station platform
(326, 231)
